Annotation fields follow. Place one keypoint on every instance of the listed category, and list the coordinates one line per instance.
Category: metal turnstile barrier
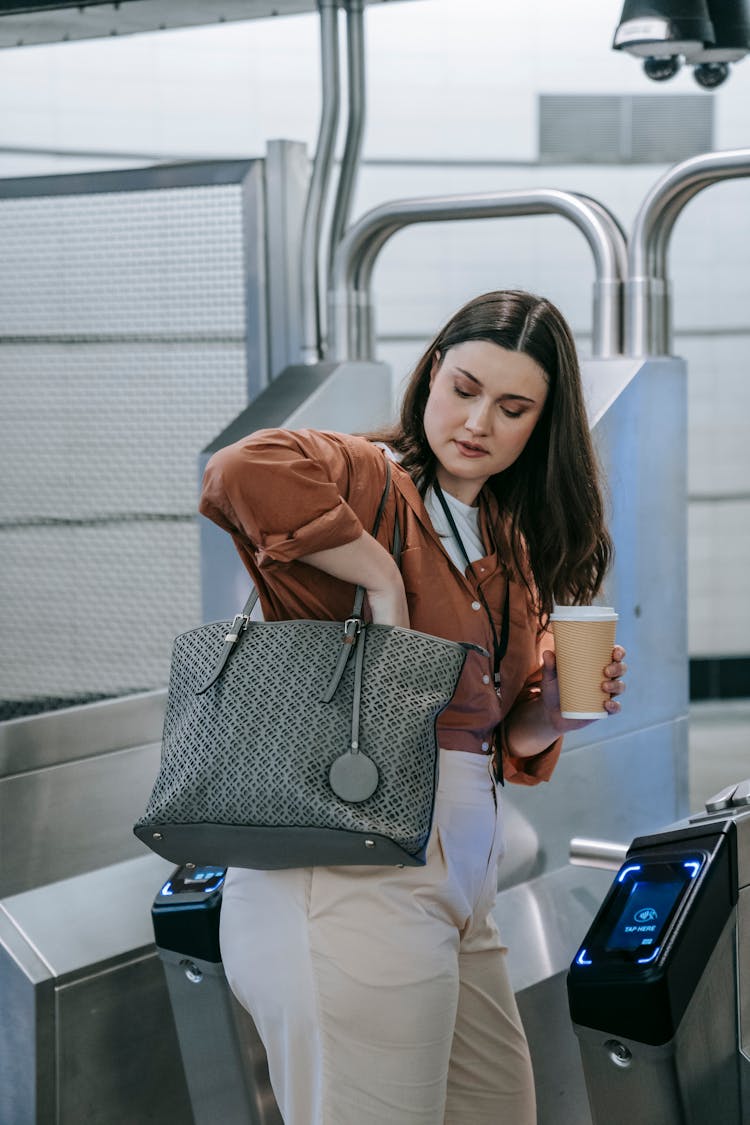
(224, 1060)
(659, 990)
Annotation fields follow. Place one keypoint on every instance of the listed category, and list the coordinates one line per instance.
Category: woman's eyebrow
(502, 398)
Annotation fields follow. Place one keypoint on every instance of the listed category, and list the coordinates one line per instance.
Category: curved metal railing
(350, 334)
(320, 178)
(648, 329)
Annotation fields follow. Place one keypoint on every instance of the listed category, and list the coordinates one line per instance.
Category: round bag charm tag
(353, 777)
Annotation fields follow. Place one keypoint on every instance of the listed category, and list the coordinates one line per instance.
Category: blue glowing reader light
(583, 958)
(167, 888)
(693, 866)
(651, 957)
(626, 871)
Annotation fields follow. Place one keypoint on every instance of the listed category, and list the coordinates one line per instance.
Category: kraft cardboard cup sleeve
(584, 639)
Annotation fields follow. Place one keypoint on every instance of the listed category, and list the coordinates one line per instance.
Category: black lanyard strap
(500, 647)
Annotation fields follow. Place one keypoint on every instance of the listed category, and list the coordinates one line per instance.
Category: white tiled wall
(450, 82)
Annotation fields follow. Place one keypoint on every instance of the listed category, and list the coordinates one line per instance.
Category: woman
(381, 994)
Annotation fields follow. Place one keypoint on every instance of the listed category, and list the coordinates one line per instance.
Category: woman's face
(483, 405)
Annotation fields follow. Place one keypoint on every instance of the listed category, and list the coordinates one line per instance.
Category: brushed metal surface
(58, 822)
(561, 1096)
(48, 739)
(603, 381)
(543, 920)
(642, 443)
(27, 1033)
(286, 174)
(742, 823)
(224, 1059)
(118, 1061)
(606, 854)
(615, 789)
(91, 918)
(743, 971)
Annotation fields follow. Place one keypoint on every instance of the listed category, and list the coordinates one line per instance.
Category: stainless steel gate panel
(612, 789)
(87, 1032)
(72, 783)
(622, 775)
(541, 921)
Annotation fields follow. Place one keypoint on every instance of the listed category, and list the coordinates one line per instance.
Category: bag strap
(353, 625)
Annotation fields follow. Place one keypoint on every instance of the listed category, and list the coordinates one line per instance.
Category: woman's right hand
(388, 604)
(365, 562)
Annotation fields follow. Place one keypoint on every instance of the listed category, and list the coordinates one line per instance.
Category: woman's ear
(435, 365)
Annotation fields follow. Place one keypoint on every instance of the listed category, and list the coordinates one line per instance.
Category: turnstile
(224, 1060)
(659, 990)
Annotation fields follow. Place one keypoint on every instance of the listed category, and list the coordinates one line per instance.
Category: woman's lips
(473, 451)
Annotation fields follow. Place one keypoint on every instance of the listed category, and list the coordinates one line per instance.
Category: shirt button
(476, 605)
(485, 679)
(485, 745)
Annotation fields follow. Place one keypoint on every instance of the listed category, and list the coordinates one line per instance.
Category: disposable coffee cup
(584, 639)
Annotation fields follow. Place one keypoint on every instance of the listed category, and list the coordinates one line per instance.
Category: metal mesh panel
(580, 127)
(672, 128)
(122, 353)
(635, 129)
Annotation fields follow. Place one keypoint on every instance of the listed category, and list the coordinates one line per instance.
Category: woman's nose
(478, 418)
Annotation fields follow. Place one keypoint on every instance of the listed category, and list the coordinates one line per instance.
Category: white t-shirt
(465, 517)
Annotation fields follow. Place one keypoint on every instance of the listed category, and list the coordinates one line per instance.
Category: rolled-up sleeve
(283, 493)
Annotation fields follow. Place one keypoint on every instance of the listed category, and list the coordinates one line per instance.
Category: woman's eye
(512, 413)
(462, 394)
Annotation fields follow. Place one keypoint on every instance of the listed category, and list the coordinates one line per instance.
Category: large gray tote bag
(301, 743)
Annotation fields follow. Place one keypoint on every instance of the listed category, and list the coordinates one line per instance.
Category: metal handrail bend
(350, 313)
(647, 298)
(355, 55)
(320, 177)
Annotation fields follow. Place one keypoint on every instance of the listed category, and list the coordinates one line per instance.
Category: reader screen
(646, 911)
(197, 879)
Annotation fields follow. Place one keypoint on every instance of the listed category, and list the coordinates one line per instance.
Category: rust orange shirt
(282, 494)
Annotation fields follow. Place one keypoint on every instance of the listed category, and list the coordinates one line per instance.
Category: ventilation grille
(624, 129)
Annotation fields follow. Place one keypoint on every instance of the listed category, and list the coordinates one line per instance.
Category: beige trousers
(381, 993)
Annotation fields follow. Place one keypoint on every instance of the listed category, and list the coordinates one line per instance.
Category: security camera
(659, 70)
(663, 30)
(709, 75)
(707, 34)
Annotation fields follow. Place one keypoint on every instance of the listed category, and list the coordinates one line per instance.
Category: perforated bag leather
(300, 743)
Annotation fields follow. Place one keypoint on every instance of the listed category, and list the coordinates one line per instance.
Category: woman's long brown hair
(550, 499)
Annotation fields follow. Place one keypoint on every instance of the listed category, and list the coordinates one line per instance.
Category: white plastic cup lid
(583, 613)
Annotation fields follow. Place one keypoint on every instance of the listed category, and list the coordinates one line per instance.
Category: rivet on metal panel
(618, 1053)
(192, 972)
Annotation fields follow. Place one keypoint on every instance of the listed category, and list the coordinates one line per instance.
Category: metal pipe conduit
(319, 181)
(355, 33)
(647, 299)
(350, 330)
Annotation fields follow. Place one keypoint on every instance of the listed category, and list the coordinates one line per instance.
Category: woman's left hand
(612, 684)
